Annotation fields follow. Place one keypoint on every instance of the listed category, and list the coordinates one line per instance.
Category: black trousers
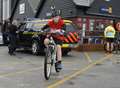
(12, 43)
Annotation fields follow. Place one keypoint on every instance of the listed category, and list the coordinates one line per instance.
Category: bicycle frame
(117, 46)
(111, 46)
(52, 47)
(50, 57)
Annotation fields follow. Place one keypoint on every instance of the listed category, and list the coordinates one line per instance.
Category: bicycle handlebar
(55, 32)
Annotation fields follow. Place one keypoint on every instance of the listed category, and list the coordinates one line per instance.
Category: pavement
(81, 70)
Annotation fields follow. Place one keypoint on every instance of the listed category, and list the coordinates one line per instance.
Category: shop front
(92, 31)
(91, 16)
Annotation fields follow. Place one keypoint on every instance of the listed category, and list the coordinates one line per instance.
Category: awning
(86, 3)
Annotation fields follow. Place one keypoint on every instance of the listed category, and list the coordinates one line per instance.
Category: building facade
(69, 8)
(91, 16)
(5, 8)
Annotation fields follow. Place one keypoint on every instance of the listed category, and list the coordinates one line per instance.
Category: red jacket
(53, 26)
(57, 26)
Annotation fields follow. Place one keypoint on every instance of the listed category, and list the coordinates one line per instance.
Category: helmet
(56, 19)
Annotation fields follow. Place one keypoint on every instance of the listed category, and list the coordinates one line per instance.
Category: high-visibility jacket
(109, 32)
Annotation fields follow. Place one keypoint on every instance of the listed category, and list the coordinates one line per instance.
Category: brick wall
(90, 47)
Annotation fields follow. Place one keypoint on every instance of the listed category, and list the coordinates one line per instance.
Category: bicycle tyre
(56, 69)
(105, 48)
(117, 47)
(47, 64)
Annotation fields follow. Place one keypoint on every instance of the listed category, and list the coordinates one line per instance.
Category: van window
(39, 25)
(70, 27)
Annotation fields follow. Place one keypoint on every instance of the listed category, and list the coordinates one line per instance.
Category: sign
(110, 9)
(106, 10)
(83, 2)
(22, 8)
(118, 26)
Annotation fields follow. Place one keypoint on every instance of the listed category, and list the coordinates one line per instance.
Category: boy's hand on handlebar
(61, 32)
(55, 31)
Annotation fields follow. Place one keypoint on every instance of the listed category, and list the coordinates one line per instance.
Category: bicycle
(110, 47)
(117, 46)
(50, 57)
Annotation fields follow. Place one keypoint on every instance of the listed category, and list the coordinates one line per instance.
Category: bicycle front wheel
(47, 64)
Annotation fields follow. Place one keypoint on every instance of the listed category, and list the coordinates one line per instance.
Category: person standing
(5, 31)
(12, 28)
(109, 34)
(117, 39)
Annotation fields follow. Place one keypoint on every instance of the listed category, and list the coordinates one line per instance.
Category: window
(70, 27)
(92, 25)
(29, 25)
(38, 25)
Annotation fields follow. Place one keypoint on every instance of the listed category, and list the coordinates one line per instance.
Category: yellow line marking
(78, 72)
(20, 72)
(112, 60)
(23, 71)
(88, 57)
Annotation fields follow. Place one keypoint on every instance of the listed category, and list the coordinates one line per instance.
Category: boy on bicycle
(55, 24)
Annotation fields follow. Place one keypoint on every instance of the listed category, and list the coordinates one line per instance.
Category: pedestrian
(5, 32)
(117, 40)
(109, 34)
(12, 37)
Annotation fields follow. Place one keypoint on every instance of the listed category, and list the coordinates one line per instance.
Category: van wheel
(65, 51)
(35, 47)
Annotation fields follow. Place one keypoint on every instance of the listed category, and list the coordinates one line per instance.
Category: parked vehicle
(30, 36)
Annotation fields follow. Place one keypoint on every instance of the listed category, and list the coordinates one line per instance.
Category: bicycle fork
(53, 54)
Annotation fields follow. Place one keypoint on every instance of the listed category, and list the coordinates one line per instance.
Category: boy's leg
(59, 57)
(59, 53)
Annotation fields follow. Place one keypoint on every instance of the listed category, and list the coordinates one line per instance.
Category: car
(1, 38)
(30, 37)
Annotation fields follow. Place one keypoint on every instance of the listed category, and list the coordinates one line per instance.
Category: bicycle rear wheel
(110, 48)
(47, 64)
